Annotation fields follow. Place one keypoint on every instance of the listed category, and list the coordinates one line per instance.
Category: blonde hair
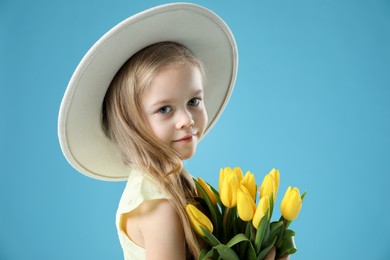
(123, 122)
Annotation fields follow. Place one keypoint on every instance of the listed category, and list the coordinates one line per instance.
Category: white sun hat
(81, 136)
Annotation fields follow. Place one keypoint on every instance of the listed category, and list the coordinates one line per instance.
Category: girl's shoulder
(140, 187)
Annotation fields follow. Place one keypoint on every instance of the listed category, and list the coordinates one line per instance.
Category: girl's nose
(185, 120)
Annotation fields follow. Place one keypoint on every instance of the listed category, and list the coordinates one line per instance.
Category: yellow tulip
(238, 172)
(267, 187)
(198, 219)
(276, 175)
(208, 190)
(227, 171)
(222, 173)
(261, 209)
(270, 184)
(291, 204)
(246, 206)
(249, 182)
(229, 182)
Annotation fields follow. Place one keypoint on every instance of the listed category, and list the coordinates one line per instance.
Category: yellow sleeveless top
(139, 188)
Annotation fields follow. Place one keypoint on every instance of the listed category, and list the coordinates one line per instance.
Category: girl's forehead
(175, 81)
(179, 64)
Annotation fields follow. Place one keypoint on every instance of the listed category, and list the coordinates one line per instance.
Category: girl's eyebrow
(162, 102)
(198, 92)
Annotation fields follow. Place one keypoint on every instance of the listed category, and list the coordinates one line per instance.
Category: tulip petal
(267, 187)
(245, 204)
(276, 177)
(206, 188)
(249, 182)
(198, 220)
(262, 209)
(229, 182)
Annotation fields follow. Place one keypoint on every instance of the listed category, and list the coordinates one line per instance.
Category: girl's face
(173, 107)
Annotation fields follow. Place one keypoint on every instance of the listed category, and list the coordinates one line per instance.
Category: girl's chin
(185, 151)
(184, 155)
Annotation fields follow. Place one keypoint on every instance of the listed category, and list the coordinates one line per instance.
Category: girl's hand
(272, 254)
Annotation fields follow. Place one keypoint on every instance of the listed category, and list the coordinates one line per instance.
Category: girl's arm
(161, 229)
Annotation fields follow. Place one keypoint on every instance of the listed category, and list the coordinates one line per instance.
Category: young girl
(154, 111)
(135, 108)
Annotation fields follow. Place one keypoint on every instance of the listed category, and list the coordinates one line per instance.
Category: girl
(136, 107)
(154, 111)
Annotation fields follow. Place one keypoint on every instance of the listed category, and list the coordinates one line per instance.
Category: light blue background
(311, 99)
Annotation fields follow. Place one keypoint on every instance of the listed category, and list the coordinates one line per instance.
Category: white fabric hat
(82, 139)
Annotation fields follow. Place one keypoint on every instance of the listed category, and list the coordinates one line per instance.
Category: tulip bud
(291, 204)
(222, 173)
(228, 186)
(198, 219)
(208, 190)
(246, 206)
(268, 187)
(238, 172)
(276, 176)
(250, 183)
(261, 209)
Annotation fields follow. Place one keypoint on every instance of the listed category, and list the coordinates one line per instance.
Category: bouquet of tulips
(230, 223)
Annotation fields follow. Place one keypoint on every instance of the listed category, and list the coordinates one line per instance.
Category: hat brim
(82, 139)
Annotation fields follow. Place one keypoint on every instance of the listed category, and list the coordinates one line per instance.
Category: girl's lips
(185, 138)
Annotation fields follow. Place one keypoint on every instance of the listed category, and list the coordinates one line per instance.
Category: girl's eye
(165, 110)
(194, 102)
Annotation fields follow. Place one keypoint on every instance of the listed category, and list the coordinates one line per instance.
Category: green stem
(281, 233)
(225, 224)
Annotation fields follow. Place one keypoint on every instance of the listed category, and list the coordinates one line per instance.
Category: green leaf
(237, 239)
(241, 238)
(265, 237)
(303, 196)
(266, 250)
(204, 255)
(287, 244)
(217, 195)
(226, 252)
(286, 222)
(288, 233)
(230, 224)
(248, 230)
(274, 229)
(212, 240)
(261, 231)
(271, 205)
(212, 254)
(250, 252)
(275, 225)
(220, 206)
(237, 223)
